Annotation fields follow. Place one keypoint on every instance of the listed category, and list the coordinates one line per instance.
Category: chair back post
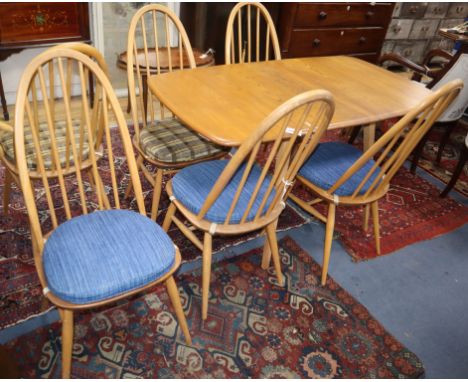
(148, 31)
(63, 154)
(389, 156)
(300, 121)
(244, 46)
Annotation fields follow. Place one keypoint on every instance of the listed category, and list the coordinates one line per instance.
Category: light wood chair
(6, 131)
(236, 196)
(163, 140)
(340, 174)
(250, 35)
(88, 251)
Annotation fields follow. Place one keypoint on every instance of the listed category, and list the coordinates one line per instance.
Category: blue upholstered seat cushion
(192, 185)
(330, 161)
(103, 254)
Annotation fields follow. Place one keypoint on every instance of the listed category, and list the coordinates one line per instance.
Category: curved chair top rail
(389, 155)
(144, 31)
(238, 46)
(65, 155)
(300, 121)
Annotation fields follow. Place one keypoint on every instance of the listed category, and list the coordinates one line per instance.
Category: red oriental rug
(450, 156)
(20, 291)
(254, 329)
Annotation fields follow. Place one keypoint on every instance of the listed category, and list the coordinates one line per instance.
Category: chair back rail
(300, 122)
(244, 40)
(69, 160)
(150, 33)
(394, 147)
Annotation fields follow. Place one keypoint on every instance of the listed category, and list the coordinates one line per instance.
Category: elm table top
(226, 103)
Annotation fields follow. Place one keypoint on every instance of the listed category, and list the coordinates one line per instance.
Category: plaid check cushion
(8, 145)
(170, 141)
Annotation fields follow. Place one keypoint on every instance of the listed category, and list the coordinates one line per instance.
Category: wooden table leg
(4, 104)
(369, 136)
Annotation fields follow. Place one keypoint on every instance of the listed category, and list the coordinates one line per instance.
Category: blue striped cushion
(330, 161)
(103, 254)
(192, 185)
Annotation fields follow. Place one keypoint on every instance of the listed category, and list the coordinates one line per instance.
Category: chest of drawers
(319, 29)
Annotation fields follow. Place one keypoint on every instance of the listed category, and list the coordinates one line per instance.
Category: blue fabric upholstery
(330, 161)
(192, 185)
(103, 254)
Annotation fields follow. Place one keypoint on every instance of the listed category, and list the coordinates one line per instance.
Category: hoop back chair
(457, 67)
(163, 140)
(340, 174)
(7, 151)
(88, 251)
(250, 35)
(231, 197)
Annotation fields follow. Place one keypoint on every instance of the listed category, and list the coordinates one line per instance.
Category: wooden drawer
(436, 10)
(413, 10)
(424, 29)
(342, 14)
(42, 22)
(322, 42)
(457, 10)
(412, 50)
(399, 29)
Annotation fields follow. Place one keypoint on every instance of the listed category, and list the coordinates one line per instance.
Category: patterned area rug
(450, 156)
(255, 329)
(20, 292)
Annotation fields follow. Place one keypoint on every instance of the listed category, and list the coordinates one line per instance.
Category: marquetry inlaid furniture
(28, 25)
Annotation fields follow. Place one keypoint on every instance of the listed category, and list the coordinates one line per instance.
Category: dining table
(226, 103)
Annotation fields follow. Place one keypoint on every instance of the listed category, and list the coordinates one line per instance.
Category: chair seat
(172, 142)
(330, 161)
(8, 145)
(106, 253)
(192, 185)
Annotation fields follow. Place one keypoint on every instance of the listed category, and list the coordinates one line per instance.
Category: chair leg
(365, 223)
(266, 257)
(129, 188)
(156, 194)
(457, 172)
(417, 153)
(7, 191)
(328, 241)
(448, 130)
(168, 218)
(175, 299)
(354, 133)
(206, 273)
(375, 218)
(273, 243)
(67, 342)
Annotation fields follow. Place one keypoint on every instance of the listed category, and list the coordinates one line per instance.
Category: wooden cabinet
(27, 25)
(40, 23)
(319, 29)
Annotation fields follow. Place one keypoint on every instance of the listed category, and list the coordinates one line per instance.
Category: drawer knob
(413, 9)
(322, 15)
(362, 40)
(369, 14)
(316, 42)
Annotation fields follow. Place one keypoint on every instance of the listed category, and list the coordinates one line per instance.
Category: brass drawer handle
(322, 15)
(316, 42)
